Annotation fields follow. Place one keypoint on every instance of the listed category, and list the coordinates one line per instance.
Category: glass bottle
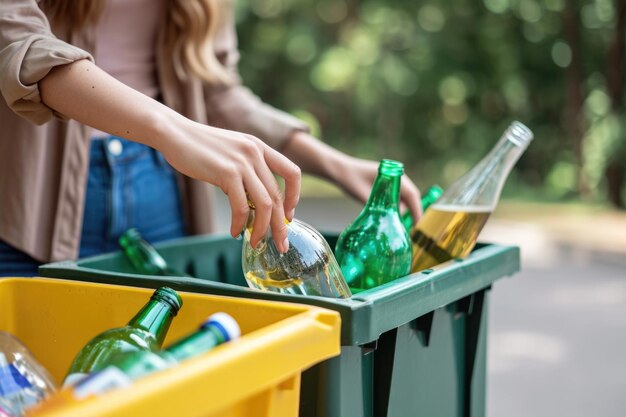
(217, 329)
(375, 248)
(125, 367)
(144, 257)
(432, 194)
(451, 226)
(145, 331)
(308, 268)
(23, 381)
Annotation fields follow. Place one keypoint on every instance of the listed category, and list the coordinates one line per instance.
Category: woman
(83, 141)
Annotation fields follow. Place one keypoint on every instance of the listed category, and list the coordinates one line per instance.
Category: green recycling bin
(413, 347)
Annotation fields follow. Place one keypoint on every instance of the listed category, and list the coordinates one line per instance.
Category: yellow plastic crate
(257, 375)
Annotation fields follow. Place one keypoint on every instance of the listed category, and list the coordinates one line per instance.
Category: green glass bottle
(217, 329)
(144, 257)
(123, 368)
(145, 331)
(432, 195)
(375, 248)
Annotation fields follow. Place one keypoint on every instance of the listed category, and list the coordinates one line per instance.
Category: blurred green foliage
(435, 83)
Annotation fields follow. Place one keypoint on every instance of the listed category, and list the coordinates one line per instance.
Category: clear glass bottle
(308, 268)
(375, 248)
(23, 381)
(145, 331)
(450, 228)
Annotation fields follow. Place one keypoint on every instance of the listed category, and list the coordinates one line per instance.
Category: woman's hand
(356, 176)
(235, 162)
(243, 167)
(353, 175)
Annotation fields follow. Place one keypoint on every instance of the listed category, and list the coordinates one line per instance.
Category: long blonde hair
(191, 26)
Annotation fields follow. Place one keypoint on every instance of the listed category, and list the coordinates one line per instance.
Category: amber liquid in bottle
(450, 227)
(446, 232)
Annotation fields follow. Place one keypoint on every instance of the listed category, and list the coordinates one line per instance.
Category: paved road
(557, 338)
(557, 331)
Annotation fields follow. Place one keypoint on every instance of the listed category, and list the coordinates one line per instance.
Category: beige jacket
(44, 159)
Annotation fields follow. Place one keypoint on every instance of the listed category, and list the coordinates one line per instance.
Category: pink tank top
(125, 44)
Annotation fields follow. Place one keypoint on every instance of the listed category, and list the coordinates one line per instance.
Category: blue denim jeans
(129, 185)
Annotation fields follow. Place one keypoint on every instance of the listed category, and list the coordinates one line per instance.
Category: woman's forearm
(84, 92)
(355, 176)
(241, 165)
(314, 156)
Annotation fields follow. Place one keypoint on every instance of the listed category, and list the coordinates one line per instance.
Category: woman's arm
(237, 108)
(235, 162)
(353, 175)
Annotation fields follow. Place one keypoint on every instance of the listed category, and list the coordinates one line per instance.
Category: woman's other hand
(353, 175)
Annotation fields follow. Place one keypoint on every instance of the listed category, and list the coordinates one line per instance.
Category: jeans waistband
(116, 150)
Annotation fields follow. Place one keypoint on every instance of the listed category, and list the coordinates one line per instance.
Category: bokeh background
(434, 84)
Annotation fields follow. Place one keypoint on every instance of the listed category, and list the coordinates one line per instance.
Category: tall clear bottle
(375, 248)
(145, 331)
(23, 381)
(450, 227)
(308, 268)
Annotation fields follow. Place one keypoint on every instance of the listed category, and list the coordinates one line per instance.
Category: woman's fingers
(290, 172)
(262, 206)
(277, 221)
(410, 195)
(243, 167)
(238, 205)
(264, 193)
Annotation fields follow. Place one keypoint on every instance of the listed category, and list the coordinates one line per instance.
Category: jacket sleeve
(236, 107)
(28, 51)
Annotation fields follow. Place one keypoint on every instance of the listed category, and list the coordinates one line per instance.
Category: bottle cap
(170, 297)
(225, 323)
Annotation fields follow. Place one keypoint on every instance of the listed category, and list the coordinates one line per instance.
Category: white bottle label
(101, 382)
(72, 379)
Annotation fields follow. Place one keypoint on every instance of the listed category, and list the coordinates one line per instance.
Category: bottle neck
(143, 256)
(195, 344)
(385, 193)
(496, 166)
(432, 195)
(247, 231)
(151, 256)
(155, 317)
(250, 220)
(482, 185)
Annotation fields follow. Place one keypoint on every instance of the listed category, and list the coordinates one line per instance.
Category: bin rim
(438, 286)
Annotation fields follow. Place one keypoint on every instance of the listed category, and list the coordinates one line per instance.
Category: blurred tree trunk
(574, 85)
(614, 172)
